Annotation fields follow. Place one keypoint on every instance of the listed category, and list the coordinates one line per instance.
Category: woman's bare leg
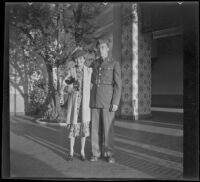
(83, 146)
(72, 141)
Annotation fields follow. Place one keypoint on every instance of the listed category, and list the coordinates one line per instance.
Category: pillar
(191, 92)
(116, 49)
(135, 64)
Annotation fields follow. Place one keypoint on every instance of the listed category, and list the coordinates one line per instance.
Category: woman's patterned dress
(80, 129)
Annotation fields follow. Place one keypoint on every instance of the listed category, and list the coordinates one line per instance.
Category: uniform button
(99, 68)
(99, 74)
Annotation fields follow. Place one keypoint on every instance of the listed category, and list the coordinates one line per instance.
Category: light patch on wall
(55, 77)
(135, 60)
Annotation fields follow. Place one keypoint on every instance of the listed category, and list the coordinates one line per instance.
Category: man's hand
(68, 126)
(113, 108)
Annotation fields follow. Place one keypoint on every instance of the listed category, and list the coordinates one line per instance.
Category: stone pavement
(144, 149)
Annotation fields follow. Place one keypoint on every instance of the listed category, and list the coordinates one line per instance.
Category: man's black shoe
(111, 160)
(70, 158)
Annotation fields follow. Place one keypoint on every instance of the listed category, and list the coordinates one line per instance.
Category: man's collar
(105, 59)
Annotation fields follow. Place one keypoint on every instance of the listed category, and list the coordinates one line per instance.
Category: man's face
(103, 48)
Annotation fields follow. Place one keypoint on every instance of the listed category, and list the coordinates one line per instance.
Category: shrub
(37, 98)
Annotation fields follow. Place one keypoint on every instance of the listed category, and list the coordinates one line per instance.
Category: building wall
(144, 84)
(135, 65)
(126, 62)
(18, 106)
(167, 73)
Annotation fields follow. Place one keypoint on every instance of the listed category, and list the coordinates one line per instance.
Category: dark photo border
(190, 103)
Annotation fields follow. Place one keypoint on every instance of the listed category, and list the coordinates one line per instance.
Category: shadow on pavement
(167, 117)
(138, 163)
(23, 165)
(57, 137)
(58, 142)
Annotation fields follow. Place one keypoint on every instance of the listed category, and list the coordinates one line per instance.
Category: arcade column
(136, 64)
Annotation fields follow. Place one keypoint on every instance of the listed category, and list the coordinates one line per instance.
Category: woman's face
(80, 61)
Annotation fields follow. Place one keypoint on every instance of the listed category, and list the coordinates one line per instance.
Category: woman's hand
(61, 101)
(70, 88)
(76, 85)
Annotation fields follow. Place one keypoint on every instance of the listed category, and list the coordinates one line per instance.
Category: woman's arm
(64, 87)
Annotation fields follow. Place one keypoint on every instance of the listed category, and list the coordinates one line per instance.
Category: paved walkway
(144, 149)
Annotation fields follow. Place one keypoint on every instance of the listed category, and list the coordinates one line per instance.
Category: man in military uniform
(104, 100)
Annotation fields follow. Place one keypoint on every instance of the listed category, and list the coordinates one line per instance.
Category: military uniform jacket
(106, 83)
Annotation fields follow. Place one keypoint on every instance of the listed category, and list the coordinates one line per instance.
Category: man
(104, 101)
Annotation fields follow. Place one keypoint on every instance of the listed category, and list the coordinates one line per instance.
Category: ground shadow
(49, 139)
(23, 165)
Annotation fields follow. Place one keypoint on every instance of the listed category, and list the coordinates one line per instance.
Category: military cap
(103, 40)
(77, 53)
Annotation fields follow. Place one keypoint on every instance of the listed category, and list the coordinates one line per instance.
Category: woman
(75, 96)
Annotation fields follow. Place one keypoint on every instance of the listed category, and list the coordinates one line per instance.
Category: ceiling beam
(168, 32)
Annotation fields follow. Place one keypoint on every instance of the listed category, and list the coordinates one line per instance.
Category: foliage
(37, 98)
(79, 21)
(46, 33)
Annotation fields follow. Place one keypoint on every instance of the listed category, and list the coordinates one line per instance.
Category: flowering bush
(37, 98)
(40, 84)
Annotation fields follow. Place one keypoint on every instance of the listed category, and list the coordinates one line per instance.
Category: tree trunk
(26, 103)
(52, 100)
(25, 86)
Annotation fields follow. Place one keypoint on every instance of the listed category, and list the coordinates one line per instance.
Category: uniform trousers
(102, 132)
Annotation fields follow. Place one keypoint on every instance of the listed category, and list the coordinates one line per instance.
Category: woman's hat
(77, 53)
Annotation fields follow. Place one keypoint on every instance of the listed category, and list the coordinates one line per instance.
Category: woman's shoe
(83, 158)
(94, 158)
(70, 157)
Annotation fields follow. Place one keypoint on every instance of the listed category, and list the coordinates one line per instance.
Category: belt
(102, 83)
